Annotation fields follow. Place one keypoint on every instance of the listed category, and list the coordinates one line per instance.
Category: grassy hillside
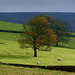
(16, 36)
(10, 51)
(10, 26)
(12, 70)
(70, 45)
(72, 33)
(19, 17)
(10, 36)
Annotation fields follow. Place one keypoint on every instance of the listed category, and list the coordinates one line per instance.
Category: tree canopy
(59, 28)
(38, 34)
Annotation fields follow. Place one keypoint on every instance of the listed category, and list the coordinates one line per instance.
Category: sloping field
(10, 51)
(70, 45)
(10, 26)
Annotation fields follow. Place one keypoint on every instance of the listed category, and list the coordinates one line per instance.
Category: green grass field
(10, 52)
(12, 70)
(10, 26)
(72, 33)
(70, 45)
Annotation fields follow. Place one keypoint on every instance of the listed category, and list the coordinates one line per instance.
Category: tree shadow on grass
(2, 43)
(14, 56)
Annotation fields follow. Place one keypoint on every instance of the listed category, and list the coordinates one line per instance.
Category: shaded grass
(70, 45)
(12, 70)
(72, 33)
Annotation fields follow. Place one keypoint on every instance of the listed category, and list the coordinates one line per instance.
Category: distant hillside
(20, 17)
(8, 26)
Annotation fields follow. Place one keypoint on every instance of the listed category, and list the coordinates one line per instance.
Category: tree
(59, 28)
(38, 34)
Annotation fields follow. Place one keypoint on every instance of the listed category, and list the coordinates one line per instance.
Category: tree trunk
(35, 52)
(57, 43)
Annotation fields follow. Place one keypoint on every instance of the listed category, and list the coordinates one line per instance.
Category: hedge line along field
(10, 52)
(12, 70)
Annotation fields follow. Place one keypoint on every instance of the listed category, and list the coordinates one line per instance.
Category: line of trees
(42, 31)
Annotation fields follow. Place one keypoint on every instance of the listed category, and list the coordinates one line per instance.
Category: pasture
(70, 45)
(12, 70)
(10, 26)
(10, 52)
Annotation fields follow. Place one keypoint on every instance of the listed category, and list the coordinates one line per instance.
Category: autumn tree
(59, 28)
(37, 34)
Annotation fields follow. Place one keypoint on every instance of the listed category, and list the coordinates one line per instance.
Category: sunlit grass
(10, 36)
(10, 52)
(10, 26)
